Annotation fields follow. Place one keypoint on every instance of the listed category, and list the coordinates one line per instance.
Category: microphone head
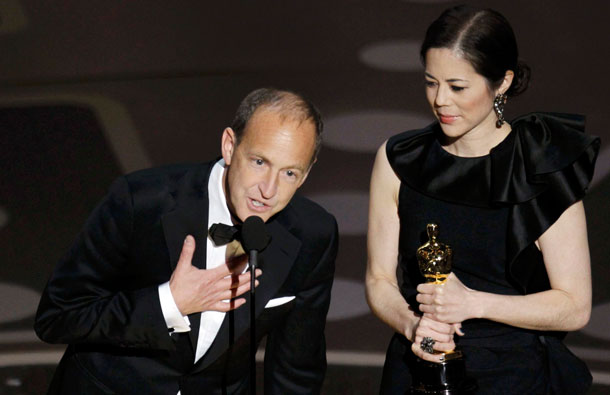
(254, 234)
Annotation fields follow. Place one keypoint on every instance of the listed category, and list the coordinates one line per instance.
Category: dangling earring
(499, 102)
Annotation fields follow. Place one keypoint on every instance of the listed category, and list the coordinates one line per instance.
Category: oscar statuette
(449, 376)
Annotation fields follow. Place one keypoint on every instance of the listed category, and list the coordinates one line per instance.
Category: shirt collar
(218, 210)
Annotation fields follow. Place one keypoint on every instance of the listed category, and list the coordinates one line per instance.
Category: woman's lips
(448, 119)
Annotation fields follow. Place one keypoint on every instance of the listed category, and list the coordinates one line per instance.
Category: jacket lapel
(275, 261)
(189, 217)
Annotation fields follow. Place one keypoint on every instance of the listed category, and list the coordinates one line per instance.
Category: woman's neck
(478, 141)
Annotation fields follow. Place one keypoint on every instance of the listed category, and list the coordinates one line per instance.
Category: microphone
(254, 238)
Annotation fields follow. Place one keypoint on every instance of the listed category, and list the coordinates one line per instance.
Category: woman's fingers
(416, 348)
(437, 345)
(437, 326)
(458, 329)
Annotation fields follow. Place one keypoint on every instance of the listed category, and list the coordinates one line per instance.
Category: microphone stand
(253, 263)
(254, 239)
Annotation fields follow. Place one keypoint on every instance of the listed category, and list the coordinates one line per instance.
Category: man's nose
(268, 186)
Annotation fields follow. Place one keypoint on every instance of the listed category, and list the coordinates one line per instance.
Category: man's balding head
(289, 105)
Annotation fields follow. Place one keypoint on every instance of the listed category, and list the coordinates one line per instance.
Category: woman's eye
(457, 88)
(430, 84)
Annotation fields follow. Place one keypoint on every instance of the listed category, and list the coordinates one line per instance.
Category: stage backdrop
(90, 90)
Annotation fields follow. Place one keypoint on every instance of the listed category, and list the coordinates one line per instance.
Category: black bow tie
(222, 234)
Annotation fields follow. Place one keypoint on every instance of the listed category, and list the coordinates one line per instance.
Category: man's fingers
(227, 279)
(219, 272)
(234, 292)
(228, 306)
(229, 300)
(235, 284)
(188, 249)
(242, 289)
(228, 269)
(237, 280)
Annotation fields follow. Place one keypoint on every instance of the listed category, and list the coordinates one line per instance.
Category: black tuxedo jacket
(102, 298)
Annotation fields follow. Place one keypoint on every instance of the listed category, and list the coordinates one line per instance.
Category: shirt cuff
(175, 321)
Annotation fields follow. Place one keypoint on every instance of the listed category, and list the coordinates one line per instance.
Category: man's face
(271, 161)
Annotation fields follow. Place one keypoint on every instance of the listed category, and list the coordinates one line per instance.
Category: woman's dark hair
(485, 39)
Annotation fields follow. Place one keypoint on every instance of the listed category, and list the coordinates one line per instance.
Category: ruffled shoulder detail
(546, 169)
(542, 167)
(540, 145)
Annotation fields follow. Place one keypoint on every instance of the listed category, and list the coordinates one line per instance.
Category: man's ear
(227, 145)
(307, 173)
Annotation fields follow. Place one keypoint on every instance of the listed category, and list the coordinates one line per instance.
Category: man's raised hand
(195, 290)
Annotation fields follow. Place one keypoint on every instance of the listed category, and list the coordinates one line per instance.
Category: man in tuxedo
(149, 303)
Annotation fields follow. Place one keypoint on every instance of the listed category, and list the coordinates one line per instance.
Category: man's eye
(259, 162)
(290, 173)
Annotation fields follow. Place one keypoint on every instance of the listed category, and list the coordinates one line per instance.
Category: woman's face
(461, 99)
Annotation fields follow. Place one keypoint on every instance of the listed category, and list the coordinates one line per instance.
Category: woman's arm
(565, 307)
(382, 291)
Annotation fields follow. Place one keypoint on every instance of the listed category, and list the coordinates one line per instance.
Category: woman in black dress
(507, 199)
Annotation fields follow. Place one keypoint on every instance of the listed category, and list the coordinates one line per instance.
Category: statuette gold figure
(434, 257)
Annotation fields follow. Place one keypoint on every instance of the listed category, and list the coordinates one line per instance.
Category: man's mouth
(257, 203)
